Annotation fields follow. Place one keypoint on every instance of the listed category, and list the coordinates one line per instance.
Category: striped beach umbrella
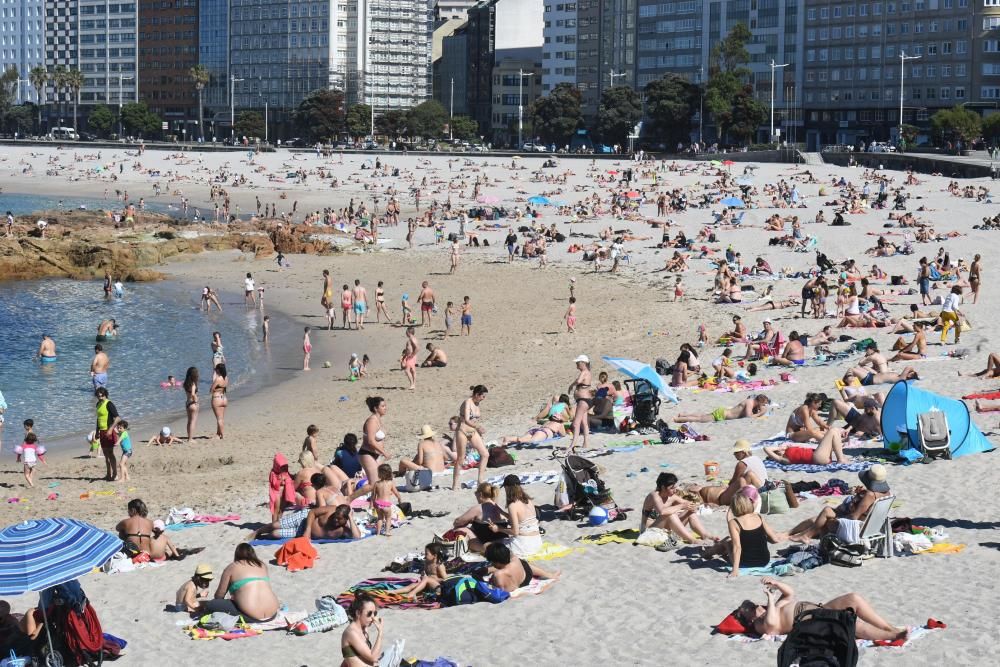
(41, 553)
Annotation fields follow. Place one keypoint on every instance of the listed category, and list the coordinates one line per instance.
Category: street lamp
(613, 74)
(121, 93)
(773, 67)
(902, 72)
(451, 111)
(520, 105)
(701, 106)
(232, 107)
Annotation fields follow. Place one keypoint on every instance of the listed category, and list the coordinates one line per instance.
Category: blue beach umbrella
(538, 200)
(637, 370)
(733, 201)
(743, 180)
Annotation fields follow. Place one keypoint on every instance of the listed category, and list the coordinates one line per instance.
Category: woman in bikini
(551, 428)
(524, 537)
(583, 392)
(380, 304)
(469, 431)
(408, 360)
(830, 449)
(137, 529)
(219, 399)
(346, 305)
(373, 438)
(191, 400)
(304, 487)
(248, 586)
(356, 647)
(805, 424)
(481, 521)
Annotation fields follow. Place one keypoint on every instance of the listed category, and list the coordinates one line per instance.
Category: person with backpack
(778, 615)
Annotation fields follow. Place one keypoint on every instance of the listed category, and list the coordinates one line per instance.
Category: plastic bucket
(711, 468)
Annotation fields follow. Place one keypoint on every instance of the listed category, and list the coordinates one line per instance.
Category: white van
(64, 134)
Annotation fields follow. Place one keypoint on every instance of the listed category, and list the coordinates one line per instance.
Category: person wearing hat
(857, 506)
(195, 589)
(161, 548)
(431, 454)
(582, 389)
(749, 471)
(766, 343)
(164, 437)
(867, 423)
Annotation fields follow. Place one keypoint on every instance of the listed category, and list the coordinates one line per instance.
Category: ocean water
(21, 204)
(162, 332)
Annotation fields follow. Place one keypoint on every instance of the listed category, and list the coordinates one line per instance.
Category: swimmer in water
(106, 330)
(47, 350)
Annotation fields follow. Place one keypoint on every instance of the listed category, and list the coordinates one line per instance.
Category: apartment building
(168, 49)
(22, 42)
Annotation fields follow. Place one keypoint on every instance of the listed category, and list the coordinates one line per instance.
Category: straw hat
(204, 570)
(741, 445)
(427, 432)
(874, 478)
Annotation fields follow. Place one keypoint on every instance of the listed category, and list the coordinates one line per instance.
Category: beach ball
(598, 516)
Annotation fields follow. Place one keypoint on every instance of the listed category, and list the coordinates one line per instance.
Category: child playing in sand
(678, 289)
(195, 590)
(570, 316)
(164, 437)
(466, 317)
(702, 335)
(309, 444)
(354, 367)
(123, 439)
(434, 572)
(364, 365)
(407, 313)
(306, 350)
(572, 287)
(383, 491)
(449, 318)
(31, 453)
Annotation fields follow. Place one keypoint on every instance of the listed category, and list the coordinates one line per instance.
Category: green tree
(728, 77)
(910, 133)
(359, 120)
(991, 128)
(250, 124)
(201, 77)
(746, 115)
(958, 124)
(138, 120)
(58, 77)
(74, 82)
(463, 127)
(101, 120)
(39, 78)
(617, 115)
(670, 104)
(321, 114)
(19, 118)
(557, 115)
(427, 120)
(392, 124)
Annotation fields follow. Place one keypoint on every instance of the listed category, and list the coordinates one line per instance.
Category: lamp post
(451, 111)
(232, 107)
(773, 67)
(121, 93)
(612, 74)
(520, 105)
(701, 106)
(902, 71)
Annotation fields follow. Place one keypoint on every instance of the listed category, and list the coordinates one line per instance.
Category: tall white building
(22, 41)
(559, 49)
(451, 9)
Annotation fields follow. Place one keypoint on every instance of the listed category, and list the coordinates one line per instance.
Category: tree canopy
(101, 120)
(670, 104)
(359, 120)
(392, 123)
(958, 123)
(138, 120)
(463, 127)
(618, 113)
(427, 120)
(729, 95)
(250, 124)
(557, 115)
(321, 114)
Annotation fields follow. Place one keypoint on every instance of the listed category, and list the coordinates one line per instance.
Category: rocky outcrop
(83, 245)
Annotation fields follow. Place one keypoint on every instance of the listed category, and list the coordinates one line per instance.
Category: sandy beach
(614, 603)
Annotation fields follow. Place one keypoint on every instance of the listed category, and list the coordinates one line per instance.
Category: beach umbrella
(733, 201)
(637, 370)
(539, 200)
(41, 553)
(743, 180)
(728, 163)
(715, 163)
(487, 199)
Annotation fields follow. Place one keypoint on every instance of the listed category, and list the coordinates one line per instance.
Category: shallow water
(162, 332)
(22, 204)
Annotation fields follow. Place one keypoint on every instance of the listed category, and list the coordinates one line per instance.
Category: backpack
(499, 457)
(821, 638)
(664, 367)
(835, 551)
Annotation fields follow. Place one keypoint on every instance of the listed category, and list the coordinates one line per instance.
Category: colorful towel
(297, 554)
(989, 396)
(551, 551)
(623, 536)
(547, 477)
(183, 526)
(853, 466)
(384, 591)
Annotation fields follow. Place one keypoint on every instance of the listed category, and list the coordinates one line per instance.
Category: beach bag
(773, 502)
(862, 344)
(419, 480)
(452, 548)
(664, 367)
(499, 457)
(322, 620)
(561, 497)
(837, 552)
(821, 638)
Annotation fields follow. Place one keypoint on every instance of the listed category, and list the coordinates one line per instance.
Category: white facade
(22, 41)
(389, 43)
(451, 9)
(559, 49)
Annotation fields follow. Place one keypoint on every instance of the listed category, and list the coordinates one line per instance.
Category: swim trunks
(360, 307)
(427, 306)
(868, 380)
(719, 414)
(100, 380)
(101, 338)
(799, 362)
(851, 415)
(48, 360)
(466, 320)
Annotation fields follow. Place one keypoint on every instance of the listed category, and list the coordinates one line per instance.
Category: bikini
(379, 437)
(236, 585)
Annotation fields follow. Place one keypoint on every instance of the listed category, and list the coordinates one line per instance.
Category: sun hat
(427, 432)
(159, 525)
(165, 431)
(741, 445)
(204, 570)
(584, 358)
(874, 479)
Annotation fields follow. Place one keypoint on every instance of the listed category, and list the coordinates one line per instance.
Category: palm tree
(39, 77)
(201, 77)
(74, 81)
(58, 79)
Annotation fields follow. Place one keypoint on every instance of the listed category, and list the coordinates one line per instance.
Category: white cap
(165, 431)
(584, 358)
(767, 320)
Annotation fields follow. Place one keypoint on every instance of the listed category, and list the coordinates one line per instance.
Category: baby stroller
(645, 402)
(74, 632)
(585, 489)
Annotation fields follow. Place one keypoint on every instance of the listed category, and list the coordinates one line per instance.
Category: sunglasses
(371, 614)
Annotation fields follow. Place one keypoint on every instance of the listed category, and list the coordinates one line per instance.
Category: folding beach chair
(934, 435)
(877, 530)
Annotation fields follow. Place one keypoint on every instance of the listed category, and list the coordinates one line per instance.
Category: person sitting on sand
(755, 406)
(739, 332)
(666, 509)
(805, 424)
(778, 615)
(356, 647)
(436, 357)
(304, 491)
(480, 522)
(508, 573)
(868, 422)
(915, 349)
(194, 591)
(854, 507)
(556, 408)
(749, 471)
(830, 449)
(749, 535)
(874, 369)
(161, 547)
(523, 535)
(766, 341)
(433, 572)
(431, 454)
(248, 586)
(137, 529)
(794, 353)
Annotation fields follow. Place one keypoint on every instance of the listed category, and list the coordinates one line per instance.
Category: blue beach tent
(905, 401)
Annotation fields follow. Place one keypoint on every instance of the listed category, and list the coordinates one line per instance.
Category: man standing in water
(426, 300)
(107, 285)
(99, 369)
(47, 350)
(360, 303)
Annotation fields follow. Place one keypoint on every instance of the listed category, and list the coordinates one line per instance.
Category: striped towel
(547, 477)
(853, 466)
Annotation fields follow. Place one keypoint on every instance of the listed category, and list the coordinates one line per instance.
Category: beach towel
(540, 444)
(916, 632)
(297, 554)
(551, 551)
(989, 396)
(853, 466)
(321, 620)
(548, 477)
(281, 487)
(623, 536)
(384, 591)
(267, 542)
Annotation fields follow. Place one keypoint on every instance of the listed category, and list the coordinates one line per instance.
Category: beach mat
(263, 542)
(853, 466)
(547, 477)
